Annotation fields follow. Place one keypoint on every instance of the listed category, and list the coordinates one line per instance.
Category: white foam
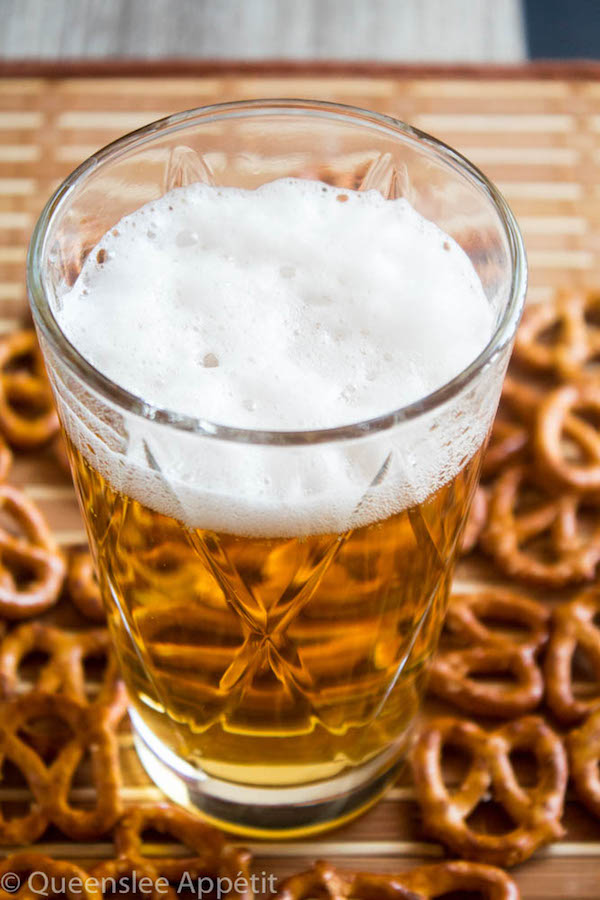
(294, 306)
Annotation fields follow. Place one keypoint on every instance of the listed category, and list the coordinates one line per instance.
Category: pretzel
(451, 670)
(27, 415)
(543, 544)
(535, 811)
(6, 459)
(467, 612)
(82, 586)
(459, 875)
(557, 416)
(51, 784)
(59, 450)
(421, 883)
(521, 397)
(213, 855)
(572, 341)
(583, 747)
(63, 878)
(126, 872)
(64, 670)
(451, 678)
(475, 521)
(572, 626)
(35, 553)
(508, 443)
(30, 825)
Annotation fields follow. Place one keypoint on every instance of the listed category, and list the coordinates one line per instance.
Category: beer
(274, 558)
(274, 661)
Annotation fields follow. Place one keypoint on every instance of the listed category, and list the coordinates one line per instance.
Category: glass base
(277, 812)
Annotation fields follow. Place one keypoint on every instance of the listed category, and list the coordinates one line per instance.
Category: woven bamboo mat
(538, 139)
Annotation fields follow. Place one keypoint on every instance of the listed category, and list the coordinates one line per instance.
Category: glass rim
(47, 324)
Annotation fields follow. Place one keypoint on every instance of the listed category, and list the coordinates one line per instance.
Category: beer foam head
(290, 307)
(294, 306)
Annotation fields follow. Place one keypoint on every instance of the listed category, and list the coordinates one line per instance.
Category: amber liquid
(274, 661)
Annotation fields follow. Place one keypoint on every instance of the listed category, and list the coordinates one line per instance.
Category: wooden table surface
(538, 138)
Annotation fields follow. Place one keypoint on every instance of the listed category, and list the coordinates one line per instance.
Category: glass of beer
(276, 333)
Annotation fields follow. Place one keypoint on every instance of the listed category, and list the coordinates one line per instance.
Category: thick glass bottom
(277, 812)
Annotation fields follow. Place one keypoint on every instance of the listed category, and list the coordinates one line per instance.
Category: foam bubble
(279, 308)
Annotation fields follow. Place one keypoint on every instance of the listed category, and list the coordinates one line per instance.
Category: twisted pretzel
(467, 613)
(475, 521)
(35, 553)
(556, 338)
(508, 443)
(536, 811)
(583, 747)
(557, 416)
(572, 626)
(421, 883)
(59, 450)
(521, 398)
(128, 872)
(6, 459)
(494, 652)
(212, 854)
(64, 875)
(545, 543)
(51, 784)
(451, 678)
(28, 827)
(83, 588)
(64, 671)
(27, 415)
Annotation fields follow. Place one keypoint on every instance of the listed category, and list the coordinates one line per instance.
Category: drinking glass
(274, 642)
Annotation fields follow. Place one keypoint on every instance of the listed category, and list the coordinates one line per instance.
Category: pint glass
(274, 642)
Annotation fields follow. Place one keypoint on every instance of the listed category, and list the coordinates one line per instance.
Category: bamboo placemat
(538, 139)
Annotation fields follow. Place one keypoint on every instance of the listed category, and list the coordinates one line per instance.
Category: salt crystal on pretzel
(24, 384)
(421, 883)
(535, 811)
(573, 627)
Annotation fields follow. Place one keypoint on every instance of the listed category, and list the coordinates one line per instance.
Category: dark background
(562, 29)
